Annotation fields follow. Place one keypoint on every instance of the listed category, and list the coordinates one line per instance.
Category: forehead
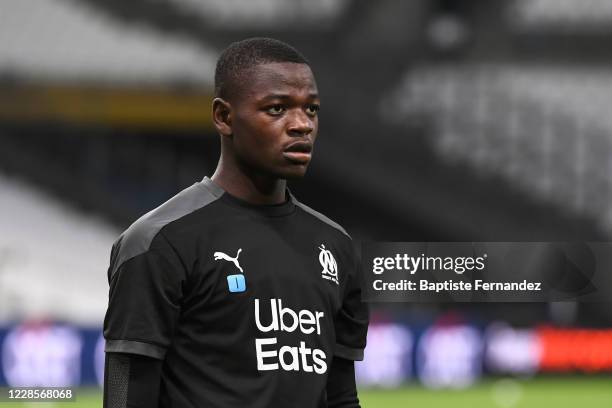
(278, 78)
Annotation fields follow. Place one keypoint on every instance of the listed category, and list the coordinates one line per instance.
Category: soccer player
(233, 293)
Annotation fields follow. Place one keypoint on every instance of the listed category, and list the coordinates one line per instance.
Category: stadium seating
(518, 123)
(52, 258)
(562, 15)
(263, 13)
(61, 40)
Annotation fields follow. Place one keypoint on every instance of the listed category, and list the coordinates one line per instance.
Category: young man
(233, 293)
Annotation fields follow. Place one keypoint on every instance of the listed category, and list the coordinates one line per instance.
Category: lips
(300, 146)
(298, 152)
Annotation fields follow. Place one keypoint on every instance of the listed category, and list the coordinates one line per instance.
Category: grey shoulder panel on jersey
(138, 237)
(319, 215)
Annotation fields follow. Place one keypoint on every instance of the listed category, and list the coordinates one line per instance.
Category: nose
(300, 124)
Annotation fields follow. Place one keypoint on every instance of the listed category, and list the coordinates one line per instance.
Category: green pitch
(584, 392)
(534, 393)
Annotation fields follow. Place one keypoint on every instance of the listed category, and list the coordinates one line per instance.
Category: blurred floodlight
(449, 356)
(511, 351)
(42, 355)
(387, 357)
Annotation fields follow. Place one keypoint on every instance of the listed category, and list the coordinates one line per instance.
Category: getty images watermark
(487, 271)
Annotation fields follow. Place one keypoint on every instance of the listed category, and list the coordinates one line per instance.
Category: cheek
(258, 135)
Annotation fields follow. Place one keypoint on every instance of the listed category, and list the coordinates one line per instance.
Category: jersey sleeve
(144, 298)
(131, 381)
(353, 318)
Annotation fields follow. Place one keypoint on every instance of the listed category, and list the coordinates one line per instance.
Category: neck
(255, 188)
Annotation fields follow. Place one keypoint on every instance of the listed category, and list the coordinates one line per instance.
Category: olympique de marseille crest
(329, 265)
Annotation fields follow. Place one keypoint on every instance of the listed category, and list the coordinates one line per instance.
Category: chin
(292, 173)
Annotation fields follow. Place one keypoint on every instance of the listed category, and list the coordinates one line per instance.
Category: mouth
(298, 152)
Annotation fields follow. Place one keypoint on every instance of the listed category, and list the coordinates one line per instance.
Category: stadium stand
(88, 132)
(518, 122)
(562, 15)
(63, 40)
(263, 13)
(52, 257)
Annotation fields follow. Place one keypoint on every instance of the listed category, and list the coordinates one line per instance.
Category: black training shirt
(246, 304)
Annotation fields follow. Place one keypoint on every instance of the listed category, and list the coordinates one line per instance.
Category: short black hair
(239, 57)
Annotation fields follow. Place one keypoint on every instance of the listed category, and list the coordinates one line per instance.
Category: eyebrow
(286, 96)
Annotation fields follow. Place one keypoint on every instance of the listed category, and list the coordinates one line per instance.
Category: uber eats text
(412, 264)
(277, 318)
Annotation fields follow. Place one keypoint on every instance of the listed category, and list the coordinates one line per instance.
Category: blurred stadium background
(442, 120)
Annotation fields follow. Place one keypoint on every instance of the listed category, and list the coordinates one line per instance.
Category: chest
(245, 262)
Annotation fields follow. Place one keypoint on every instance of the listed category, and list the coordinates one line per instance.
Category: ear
(222, 116)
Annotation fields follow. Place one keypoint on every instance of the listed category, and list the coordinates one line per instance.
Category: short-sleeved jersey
(245, 304)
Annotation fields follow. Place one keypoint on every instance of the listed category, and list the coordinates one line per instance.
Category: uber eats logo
(277, 318)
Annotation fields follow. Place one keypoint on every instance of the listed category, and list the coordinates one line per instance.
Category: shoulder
(321, 218)
(138, 238)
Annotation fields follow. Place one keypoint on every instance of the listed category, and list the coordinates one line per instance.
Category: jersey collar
(272, 210)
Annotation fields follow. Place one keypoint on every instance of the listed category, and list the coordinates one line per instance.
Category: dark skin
(267, 129)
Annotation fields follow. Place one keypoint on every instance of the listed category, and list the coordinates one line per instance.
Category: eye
(275, 109)
(312, 109)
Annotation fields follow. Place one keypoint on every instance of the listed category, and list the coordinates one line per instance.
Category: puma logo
(220, 255)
